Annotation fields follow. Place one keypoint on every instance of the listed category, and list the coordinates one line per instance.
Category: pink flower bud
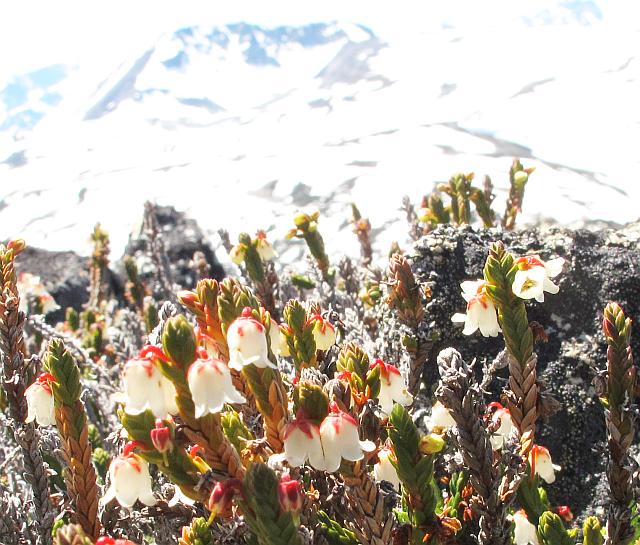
(290, 494)
(564, 512)
(221, 497)
(40, 404)
(106, 540)
(161, 437)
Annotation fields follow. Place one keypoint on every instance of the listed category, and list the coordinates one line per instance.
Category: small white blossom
(247, 342)
(278, 339)
(533, 277)
(392, 387)
(211, 386)
(130, 479)
(302, 443)
(29, 285)
(40, 405)
(146, 388)
(237, 254)
(541, 464)
(481, 313)
(502, 419)
(340, 439)
(440, 417)
(384, 470)
(324, 333)
(524, 532)
(264, 248)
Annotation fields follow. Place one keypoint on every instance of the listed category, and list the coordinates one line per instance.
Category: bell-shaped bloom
(29, 285)
(323, 332)
(146, 388)
(340, 439)
(40, 406)
(290, 495)
(302, 443)
(384, 470)
(440, 418)
(263, 247)
(534, 276)
(211, 386)
(237, 253)
(278, 340)
(524, 532)
(130, 479)
(392, 386)
(541, 464)
(481, 313)
(503, 425)
(247, 342)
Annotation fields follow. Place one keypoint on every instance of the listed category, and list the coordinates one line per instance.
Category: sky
(35, 34)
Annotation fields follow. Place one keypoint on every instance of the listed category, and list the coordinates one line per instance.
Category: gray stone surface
(600, 267)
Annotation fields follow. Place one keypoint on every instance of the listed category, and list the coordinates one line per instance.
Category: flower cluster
(326, 444)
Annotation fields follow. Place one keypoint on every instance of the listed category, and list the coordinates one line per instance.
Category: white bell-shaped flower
(534, 276)
(384, 470)
(130, 479)
(501, 418)
(40, 406)
(237, 253)
(302, 443)
(481, 313)
(29, 285)
(392, 386)
(524, 532)
(440, 417)
(247, 342)
(324, 334)
(278, 340)
(340, 439)
(211, 386)
(263, 247)
(146, 388)
(541, 464)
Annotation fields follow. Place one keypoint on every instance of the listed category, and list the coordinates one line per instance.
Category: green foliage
(59, 362)
(197, 533)
(552, 531)
(312, 399)
(235, 429)
(334, 533)
(299, 335)
(414, 469)
(262, 511)
(179, 341)
(72, 318)
(592, 532)
(532, 497)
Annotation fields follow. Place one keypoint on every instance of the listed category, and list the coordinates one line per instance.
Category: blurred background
(240, 113)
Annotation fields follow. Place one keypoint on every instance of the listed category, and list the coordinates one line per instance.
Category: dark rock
(64, 274)
(182, 237)
(600, 267)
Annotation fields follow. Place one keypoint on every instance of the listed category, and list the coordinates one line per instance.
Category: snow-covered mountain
(241, 124)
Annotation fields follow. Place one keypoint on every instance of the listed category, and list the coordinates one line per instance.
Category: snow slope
(241, 124)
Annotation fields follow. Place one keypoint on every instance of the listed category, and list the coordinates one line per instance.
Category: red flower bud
(221, 496)
(564, 512)
(161, 437)
(106, 540)
(290, 494)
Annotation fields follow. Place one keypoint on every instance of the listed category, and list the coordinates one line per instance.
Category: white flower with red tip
(541, 464)
(146, 388)
(247, 342)
(302, 442)
(441, 418)
(481, 313)
(263, 247)
(324, 334)
(524, 532)
(130, 479)
(29, 285)
(211, 386)
(325, 446)
(340, 439)
(40, 406)
(384, 470)
(392, 386)
(503, 425)
(534, 276)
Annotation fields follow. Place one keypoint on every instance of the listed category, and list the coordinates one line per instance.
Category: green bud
(179, 341)
(520, 177)
(592, 532)
(432, 443)
(72, 318)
